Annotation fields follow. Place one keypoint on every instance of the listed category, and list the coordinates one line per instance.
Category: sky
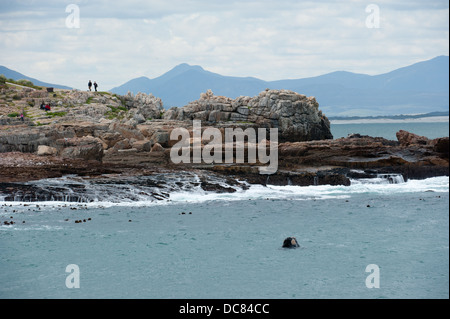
(112, 42)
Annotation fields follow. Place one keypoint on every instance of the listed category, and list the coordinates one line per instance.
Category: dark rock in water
(441, 145)
(356, 135)
(290, 242)
(212, 187)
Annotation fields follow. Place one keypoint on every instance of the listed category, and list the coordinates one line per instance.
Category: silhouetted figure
(90, 85)
(95, 86)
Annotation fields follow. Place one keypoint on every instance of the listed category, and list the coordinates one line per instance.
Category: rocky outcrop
(119, 133)
(416, 161)
(76, 105)
(326, 162)
(143, 107)
(441, 146)
(44, 150)
(406, 138)
(297, 117)
(22, 141)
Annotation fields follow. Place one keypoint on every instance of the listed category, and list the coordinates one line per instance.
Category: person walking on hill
(95, 86)
(89, 85)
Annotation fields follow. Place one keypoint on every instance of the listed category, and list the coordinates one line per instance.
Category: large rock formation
(97, 132)
(296, 116)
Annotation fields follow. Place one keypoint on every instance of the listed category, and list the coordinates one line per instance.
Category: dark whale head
(290, 242)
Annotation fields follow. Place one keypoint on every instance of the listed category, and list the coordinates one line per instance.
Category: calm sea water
(229, 245)
(388, 130)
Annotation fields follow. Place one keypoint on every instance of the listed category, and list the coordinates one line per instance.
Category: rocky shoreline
(94, 134)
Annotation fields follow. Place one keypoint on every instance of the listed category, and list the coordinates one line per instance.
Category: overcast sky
(120, 40)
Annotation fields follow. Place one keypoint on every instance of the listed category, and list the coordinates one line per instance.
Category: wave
(164, 189)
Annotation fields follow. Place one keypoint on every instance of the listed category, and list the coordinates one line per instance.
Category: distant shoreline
(429, 119)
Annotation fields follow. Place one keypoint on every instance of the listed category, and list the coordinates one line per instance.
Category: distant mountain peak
(186, 67)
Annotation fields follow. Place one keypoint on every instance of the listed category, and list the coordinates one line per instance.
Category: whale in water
(290, 242)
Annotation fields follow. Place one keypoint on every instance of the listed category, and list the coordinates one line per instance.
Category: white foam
(436, 184)
(379, 185)
(380, 179)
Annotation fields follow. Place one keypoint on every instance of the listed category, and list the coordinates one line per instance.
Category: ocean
(380, 238)
(388, 128)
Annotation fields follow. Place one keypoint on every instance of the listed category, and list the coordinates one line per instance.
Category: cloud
(120, 40)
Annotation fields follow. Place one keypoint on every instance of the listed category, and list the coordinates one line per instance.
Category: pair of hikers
(90, 85)
(45, 107)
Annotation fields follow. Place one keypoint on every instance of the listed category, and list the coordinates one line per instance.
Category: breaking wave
(192, 188)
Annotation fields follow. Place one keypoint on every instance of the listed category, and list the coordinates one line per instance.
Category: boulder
(406, 138)
(86, 148)
(142, 146)
(139, 118)
(110, 138)
(122, 145)
(157, 148)
(160, 137)
(44, 150)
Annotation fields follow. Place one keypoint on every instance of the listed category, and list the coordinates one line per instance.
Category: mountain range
(418, 88)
